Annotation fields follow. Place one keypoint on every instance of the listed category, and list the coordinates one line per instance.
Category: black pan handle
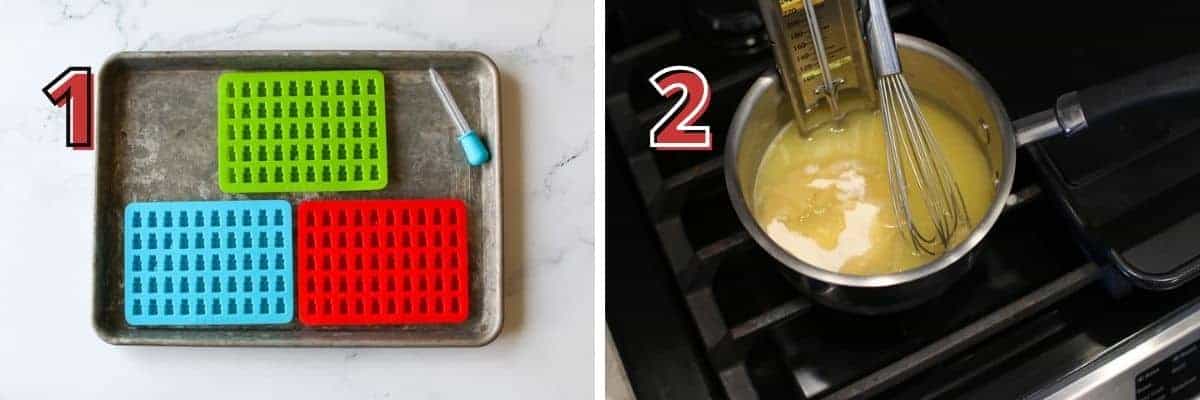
(1105, 103)
(1165, 82)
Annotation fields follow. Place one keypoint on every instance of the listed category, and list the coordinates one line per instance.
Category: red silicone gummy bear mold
(382, 262)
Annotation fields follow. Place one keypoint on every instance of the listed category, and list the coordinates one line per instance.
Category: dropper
(472, 145)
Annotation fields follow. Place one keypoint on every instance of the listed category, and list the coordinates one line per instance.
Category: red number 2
(676, 129)
(73, 89)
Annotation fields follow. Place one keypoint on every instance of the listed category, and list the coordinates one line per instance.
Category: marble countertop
(543, 49)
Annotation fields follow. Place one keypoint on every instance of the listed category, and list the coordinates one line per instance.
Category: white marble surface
(544, 51)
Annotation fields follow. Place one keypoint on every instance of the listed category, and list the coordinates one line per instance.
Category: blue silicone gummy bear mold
(208, 263)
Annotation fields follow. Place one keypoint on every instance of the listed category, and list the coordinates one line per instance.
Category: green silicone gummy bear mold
(302, 131)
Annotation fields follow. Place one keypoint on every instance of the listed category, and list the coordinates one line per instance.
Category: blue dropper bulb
(473, 147)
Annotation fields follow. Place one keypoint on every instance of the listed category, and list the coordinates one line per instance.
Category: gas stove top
(697, 310)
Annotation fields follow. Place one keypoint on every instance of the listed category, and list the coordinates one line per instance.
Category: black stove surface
(697, 310)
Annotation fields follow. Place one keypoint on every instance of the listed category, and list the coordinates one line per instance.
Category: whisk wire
(917, 144)
(912, 150)
(955, 206)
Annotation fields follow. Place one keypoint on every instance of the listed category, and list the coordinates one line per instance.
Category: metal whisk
(913, 156)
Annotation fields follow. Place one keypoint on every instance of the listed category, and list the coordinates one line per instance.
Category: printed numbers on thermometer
(73, 89)
(676, 130)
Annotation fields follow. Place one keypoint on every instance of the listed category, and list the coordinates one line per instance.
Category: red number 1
(676, 129)
(73, 89)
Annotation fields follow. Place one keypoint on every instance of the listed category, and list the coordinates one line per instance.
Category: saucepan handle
(1101, 104)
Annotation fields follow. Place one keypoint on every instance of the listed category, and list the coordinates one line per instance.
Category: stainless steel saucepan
(943, 77)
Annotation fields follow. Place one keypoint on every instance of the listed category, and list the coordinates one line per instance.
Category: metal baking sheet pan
(156, 141)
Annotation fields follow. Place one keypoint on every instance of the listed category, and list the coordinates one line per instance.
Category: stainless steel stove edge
(1113, 375)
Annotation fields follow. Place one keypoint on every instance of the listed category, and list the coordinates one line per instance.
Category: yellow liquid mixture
(825, 196)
